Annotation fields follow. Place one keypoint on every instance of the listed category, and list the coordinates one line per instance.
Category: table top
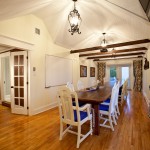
(96, 96)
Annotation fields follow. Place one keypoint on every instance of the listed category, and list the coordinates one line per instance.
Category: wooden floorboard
(41, 132)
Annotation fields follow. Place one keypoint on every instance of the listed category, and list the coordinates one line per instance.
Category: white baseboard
(147, 99)
(43, 108)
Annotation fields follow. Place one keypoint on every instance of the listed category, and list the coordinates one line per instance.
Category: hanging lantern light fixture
(74, 20)
(104, 42)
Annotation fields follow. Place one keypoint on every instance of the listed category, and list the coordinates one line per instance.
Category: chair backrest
(70, 86)
(112, 100)
(80, 85)
(66, 109)
(124, 88)
(117, 92)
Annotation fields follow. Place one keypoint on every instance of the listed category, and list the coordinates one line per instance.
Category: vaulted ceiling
(122, 20)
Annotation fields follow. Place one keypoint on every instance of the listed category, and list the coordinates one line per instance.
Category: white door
(19, 82)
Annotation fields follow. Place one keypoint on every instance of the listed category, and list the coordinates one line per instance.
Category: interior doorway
(5, 79)
(14, 81)
(125, 74)
(120, 72)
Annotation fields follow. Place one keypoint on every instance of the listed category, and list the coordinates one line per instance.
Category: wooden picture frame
(92, 71)
(83, 71)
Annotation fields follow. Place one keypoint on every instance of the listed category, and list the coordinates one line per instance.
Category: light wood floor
(42, 131)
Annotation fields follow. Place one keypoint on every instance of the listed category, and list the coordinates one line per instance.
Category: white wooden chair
(70, 86)
(73, 115)
(109, 111)
(80, 85)
(107, 102)
(123, 94)
(116, 100)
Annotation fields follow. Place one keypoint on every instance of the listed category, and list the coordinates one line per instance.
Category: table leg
(96, 111)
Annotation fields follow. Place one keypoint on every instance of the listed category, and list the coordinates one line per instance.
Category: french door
(19, 82)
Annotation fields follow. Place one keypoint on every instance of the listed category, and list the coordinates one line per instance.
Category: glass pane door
(19, 82)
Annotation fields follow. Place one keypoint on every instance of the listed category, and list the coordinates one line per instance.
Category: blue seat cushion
(83, 115)
(103, 107)
(107, 101)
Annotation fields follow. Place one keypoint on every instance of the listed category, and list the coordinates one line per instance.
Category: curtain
(137, 72)
(101, 72)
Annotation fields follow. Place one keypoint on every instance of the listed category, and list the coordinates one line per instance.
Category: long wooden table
(96, 97)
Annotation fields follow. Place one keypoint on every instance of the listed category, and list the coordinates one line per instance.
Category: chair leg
(116, 116)
(118, 110)
(79, 135)
(91, 126)
(114, 120)
(111, 125)
(61, 131)
(93, 118)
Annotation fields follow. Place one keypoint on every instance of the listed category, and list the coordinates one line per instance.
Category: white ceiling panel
(122, 20)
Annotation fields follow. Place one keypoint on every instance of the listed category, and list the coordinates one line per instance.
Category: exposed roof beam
(118, 58)
(113, 55)
(114, 51)
(111, 46)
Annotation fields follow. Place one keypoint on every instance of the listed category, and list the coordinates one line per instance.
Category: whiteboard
(58, 70)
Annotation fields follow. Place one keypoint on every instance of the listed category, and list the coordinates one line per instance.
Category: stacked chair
(73, 115)
(109, 110)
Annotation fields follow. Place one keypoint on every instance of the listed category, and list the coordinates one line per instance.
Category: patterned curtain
(101, 72)
(137, 72)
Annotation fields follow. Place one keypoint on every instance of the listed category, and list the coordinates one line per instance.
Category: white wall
(87, 80)
(22, 29)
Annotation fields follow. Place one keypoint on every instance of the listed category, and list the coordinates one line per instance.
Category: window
(113, 73)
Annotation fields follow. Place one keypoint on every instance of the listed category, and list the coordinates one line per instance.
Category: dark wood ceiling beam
(111, 46)
(113, 55)
(114, 51)
(117, 58)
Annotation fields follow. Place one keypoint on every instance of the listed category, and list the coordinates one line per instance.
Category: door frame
(3, 55)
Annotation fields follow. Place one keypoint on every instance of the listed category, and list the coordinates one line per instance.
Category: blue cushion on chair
(82, 115)
(104, 107)
(107, 101)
